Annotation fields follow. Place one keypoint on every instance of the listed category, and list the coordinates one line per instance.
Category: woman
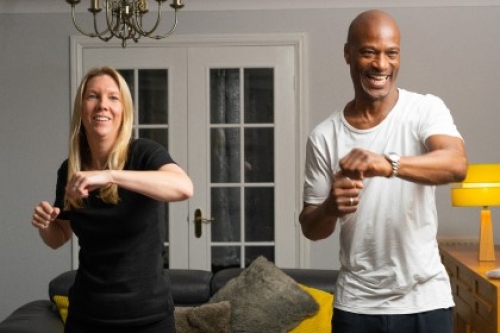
(111, 192)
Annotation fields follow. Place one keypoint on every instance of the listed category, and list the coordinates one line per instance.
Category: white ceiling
(55, 6)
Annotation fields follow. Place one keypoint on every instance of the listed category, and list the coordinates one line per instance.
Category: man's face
(374, 58)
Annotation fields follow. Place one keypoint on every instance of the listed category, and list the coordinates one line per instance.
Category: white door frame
(298, 40)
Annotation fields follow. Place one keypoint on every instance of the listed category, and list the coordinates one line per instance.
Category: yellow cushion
(321, 322)
(62, 304)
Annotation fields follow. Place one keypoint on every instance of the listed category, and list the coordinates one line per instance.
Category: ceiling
(55, 6)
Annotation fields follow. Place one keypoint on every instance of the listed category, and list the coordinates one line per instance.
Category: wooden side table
(476, 296)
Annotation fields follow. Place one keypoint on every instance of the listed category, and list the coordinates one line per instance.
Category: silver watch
(393, 158)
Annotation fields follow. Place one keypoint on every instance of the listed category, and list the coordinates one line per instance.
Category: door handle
(198, 220)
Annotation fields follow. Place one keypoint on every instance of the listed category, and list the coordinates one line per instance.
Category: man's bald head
(367, 22)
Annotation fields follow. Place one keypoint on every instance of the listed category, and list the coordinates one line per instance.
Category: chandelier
(124, 19)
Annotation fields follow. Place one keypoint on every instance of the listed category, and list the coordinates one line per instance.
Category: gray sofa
(189, 288)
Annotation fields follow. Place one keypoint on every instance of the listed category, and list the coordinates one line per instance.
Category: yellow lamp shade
(481, 187)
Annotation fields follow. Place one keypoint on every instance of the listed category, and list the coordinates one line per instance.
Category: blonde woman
(111, 192)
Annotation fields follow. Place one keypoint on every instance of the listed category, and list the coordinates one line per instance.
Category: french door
(227, 115)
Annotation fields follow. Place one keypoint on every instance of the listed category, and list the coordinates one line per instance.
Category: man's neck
(365, 114)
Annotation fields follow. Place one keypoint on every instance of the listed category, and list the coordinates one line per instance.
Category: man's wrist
(393, 159)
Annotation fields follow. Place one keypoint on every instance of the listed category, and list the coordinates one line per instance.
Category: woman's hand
(84, 182)
(44, 215)
(53, 231)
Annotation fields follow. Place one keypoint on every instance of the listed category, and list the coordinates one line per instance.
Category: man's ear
(347, 54)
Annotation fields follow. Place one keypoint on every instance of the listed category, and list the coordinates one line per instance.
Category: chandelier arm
(171, 31)
(73, 16)
(102, 35)
(138, 22)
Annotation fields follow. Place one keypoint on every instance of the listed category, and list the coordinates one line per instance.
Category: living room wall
(448, 51)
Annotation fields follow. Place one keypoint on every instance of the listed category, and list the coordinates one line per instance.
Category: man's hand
(345, 193)
(361, 163)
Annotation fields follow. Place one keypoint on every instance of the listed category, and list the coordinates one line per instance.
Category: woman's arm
(54, 232)
(169, 183)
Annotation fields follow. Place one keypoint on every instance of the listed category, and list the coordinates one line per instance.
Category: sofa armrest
(61, 284)
(37, 316)
(189, 287)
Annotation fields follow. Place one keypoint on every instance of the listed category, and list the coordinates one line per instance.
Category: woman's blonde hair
(79, 152)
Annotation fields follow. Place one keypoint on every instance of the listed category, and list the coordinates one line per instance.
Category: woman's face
(102, 108)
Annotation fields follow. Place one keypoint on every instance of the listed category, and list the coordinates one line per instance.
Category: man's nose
(381, 62)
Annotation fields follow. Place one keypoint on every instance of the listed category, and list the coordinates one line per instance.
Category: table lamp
(480, 188)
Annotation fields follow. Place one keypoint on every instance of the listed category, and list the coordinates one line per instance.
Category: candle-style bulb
(94, 4)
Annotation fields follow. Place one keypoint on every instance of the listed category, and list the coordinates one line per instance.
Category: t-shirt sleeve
(436, 119)
(62, 178)
(148, 155)
(318, 173)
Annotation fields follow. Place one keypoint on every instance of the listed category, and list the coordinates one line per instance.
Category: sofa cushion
(62, 304)
(206, 318)
(39, 314)
(322, 279)
(264, 299)
(321, 321)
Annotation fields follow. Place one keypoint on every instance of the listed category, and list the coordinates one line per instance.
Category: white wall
(448, 51)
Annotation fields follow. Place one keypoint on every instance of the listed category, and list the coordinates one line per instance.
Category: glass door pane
(242, 165)
(241, 153)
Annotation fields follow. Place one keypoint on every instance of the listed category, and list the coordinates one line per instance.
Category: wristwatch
(393, 158)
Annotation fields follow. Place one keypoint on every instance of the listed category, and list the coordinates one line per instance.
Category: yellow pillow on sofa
(321, 322)
(62, 304)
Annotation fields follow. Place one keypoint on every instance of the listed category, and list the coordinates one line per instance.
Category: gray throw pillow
(206, 318)
(264, 299)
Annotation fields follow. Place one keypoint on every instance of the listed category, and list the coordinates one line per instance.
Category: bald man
(372, 168)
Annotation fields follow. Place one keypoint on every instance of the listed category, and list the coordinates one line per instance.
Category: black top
(120, 279)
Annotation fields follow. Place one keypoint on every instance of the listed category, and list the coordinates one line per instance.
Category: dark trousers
(436, 321)
(165, 326)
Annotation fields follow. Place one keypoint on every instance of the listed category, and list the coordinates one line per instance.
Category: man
(372, 167)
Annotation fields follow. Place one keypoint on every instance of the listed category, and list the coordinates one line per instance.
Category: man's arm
(444, 163)
(319, 221)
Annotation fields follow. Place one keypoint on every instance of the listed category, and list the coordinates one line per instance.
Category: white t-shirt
(388, 252)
